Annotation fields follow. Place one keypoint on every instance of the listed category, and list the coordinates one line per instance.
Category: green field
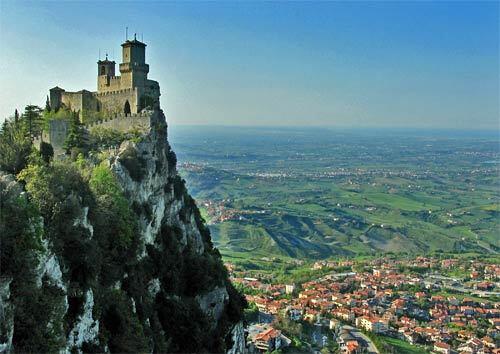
(357, 194)
(401, 347)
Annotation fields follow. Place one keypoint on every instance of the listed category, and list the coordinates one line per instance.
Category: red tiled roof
(267, 334)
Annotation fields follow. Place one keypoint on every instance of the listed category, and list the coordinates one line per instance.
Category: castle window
(103, 70)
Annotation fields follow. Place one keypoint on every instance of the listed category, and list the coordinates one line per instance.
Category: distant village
(415, 300)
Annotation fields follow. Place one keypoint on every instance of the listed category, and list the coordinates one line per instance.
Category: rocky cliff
(110, 254)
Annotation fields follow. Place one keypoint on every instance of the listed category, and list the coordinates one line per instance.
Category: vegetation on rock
(68, 229)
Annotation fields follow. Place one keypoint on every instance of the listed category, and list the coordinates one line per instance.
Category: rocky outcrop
(213, 302)
(6, 316)
(238, 340)
(86, 328)
(146, 170)
(158, 285)
(147, 173)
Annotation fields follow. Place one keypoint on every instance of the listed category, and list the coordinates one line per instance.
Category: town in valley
(376, 305)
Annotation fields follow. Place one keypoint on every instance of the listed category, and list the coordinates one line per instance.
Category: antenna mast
(126, 33)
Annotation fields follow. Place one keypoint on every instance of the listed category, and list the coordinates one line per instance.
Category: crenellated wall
(124, 123)
(59, 129)
(111, 102)
(80, 101)
(109, 83)
(114, 101)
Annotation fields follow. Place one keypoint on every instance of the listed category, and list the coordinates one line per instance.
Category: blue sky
(349, 64)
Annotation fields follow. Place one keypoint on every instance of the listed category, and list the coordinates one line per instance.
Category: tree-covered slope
(107, 252)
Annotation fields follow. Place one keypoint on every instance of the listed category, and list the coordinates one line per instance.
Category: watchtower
(128, 93)
(134, 70)
(105, 71)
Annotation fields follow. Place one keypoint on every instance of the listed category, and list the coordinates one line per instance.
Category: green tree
(47, 105)
(15, 146)
(37, 310)
(46, 152)
(32, 120)
(112, 203)
(77, 136)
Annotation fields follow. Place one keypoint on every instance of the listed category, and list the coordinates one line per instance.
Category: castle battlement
(59, 128)
(130, 92)
(129, 101)
(121, 116)
(107, 93)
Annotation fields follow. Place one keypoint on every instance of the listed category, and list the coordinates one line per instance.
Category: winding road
(356, 333)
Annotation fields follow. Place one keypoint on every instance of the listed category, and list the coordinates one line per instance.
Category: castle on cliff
(129, 93)
(123, 103)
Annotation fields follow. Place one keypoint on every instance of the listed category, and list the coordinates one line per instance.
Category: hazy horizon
(337, 64)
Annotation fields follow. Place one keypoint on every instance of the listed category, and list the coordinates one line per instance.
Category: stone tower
(128, 93)
(134, 70)
(105, 71)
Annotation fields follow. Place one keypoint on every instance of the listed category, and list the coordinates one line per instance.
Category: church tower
(134, 70)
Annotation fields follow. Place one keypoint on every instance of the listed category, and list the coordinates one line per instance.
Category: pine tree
(15, 146)
(32, 120)
(47, 105)
(77, 136)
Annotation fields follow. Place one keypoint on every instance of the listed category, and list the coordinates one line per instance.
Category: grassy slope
(402, 347)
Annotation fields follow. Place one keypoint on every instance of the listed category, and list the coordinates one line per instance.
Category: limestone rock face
(152, 185)
(6, 316)
(86, 329)
(238, 340)
(213, 302)
(171, 293)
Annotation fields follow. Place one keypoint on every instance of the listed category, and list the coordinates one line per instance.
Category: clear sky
(350, 64)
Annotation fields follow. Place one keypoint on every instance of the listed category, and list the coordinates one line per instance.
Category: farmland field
(315, 193)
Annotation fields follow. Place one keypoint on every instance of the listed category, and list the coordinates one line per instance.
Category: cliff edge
(109, 253)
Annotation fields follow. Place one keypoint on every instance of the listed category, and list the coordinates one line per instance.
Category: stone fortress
(122, 102)
(129, 93)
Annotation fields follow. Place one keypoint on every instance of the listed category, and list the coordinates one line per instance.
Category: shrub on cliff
(15, 146)
(49, 185)
(184, 323)
(104, 138)
(114, 223)
(60, 194)
(144, 301)
(20, 235)
(134, 164)
(120, 326)
(46, 152)
(21, 246)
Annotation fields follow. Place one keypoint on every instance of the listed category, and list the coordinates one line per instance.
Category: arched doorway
(126, 109)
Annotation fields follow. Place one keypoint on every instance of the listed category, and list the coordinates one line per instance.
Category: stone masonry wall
(58, 129)
(124, 123)
(114, 102)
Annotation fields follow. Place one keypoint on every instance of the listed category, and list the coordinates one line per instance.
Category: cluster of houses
(386, 300)
(265, 338)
